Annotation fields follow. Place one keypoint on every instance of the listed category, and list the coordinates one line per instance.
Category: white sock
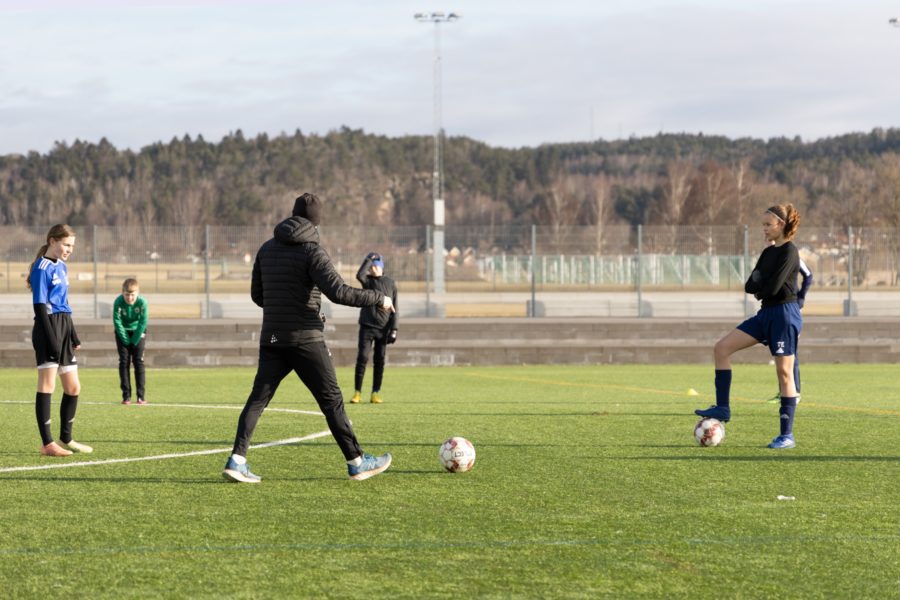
(355, 462)
(239, 459)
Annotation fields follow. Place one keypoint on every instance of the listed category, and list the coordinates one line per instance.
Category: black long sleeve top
(774, 278)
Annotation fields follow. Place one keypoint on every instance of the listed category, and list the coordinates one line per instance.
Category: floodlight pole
(437, 181)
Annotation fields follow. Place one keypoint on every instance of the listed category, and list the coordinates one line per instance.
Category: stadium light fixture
(437, 188)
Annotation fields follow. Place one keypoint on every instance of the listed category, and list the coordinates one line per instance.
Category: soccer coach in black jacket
(290, 273)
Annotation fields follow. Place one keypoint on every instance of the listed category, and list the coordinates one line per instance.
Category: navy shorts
(778, 327)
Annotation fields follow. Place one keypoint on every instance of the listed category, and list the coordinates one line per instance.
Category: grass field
(587, 484)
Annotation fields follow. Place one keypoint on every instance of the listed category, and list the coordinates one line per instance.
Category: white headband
(776, 216)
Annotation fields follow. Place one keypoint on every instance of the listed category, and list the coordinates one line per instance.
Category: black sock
(42, 412)
(723, 387)
(67, 415)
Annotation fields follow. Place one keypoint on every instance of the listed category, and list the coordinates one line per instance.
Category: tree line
(368, 179)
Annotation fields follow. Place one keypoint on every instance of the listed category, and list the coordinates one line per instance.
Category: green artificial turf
(587, 484)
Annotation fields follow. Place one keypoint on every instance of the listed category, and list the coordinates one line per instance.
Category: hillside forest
(367, 179)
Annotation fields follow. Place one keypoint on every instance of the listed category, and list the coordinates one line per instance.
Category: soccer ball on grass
(709, 432)
(457, 454)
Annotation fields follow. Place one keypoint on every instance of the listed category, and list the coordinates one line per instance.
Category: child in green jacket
(130, 321)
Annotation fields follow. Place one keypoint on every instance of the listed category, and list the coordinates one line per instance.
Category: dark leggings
(369, 336)
(129, 355)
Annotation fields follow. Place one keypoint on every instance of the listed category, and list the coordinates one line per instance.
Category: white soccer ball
(709, 432)
(457, 454)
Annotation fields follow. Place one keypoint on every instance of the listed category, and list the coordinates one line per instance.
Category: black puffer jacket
(289, 272)
(371, 316)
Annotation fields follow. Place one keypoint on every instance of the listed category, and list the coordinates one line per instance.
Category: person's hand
(392, 336)
(801, 301)
(755, 276)
(387, 304)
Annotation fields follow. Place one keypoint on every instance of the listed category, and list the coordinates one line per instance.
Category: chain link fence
(216, 260)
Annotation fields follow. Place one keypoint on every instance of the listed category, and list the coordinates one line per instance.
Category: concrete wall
(462, 341)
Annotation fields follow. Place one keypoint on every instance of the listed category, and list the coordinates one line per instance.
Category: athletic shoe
(54, 449)
(376, 398)
(356, 397)
(141, 401)
(370, 466)
(126, 401)
(722, 413)
(239, 473)
(78, 447)
(775, 399)
(783, 442)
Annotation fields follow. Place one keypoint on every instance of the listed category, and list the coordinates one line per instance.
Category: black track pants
(312, 363)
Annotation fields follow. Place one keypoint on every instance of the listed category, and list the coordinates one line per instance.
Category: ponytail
(37, 257)
(791, 221)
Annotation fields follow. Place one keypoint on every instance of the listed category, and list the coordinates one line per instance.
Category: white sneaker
(78, 447)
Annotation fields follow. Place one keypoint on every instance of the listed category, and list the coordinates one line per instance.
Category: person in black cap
(375, 327)
(290, 274)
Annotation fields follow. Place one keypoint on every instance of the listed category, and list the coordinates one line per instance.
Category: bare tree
(743, 187)
(599, 206)
(676, 189)
(887, 204)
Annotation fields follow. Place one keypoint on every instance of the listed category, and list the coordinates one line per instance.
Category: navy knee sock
(723, 387)
(786, 415)
(42, 412)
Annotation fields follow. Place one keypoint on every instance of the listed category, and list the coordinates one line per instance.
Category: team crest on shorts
(780, 348)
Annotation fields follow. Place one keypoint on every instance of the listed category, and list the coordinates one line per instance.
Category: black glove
(392, 336)
(373, 256)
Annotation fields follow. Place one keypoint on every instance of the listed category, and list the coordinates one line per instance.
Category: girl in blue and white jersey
(55, 340)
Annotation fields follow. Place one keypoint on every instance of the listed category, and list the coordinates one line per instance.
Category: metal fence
(216, 259)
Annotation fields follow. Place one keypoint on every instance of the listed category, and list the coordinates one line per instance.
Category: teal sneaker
(782, 442)
(239, 473)
(370, 466)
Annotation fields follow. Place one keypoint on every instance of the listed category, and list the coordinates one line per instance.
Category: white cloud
(515, 73)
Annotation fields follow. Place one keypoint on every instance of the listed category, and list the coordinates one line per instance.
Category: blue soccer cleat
(239, 473)
(722, 413)
(371, 466)
(783, 442)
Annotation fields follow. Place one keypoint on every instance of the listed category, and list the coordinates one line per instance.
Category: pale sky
(515, 72)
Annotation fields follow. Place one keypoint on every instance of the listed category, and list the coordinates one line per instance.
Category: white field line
(111, 461)
(67, 465)
(294, 411)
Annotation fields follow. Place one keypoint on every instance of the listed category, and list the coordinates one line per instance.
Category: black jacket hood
(296, 230)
